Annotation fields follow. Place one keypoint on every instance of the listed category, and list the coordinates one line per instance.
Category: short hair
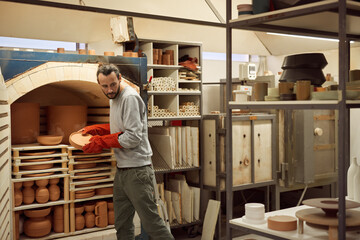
(107, 69)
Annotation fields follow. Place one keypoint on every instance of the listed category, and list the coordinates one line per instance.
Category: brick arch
(47, 73)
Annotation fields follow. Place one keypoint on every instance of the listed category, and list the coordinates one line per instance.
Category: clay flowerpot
(49, 140)
(18, 195)
(109, 54)
(25, 122)
(64, 120)
(54, 189)
(89, 219)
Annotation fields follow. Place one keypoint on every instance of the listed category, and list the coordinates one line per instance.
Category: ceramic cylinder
(60, 50)
(89, 219)
(58, 219)
(64, 120)
(25, 122)
(303, 90)
(260, 91)
(286, 88)
(350, 178)
(109, 54)
(356, 181)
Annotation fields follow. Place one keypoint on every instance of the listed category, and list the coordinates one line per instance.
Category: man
(127, 135)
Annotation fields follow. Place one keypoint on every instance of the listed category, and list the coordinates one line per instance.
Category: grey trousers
(134, 191)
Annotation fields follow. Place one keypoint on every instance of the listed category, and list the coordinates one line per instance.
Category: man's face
(109, 84)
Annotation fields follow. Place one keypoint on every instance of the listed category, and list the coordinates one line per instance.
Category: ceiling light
(308, 37)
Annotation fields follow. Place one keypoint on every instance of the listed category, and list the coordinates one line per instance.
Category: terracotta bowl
(42, 212)
(49, 140)
(77, 140)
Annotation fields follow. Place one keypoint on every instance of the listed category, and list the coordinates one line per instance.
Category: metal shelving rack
(330, 19)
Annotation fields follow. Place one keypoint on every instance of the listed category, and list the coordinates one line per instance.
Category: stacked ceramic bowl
(254, 213)
(307, 66)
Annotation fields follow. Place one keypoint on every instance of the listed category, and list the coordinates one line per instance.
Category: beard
(114, 94)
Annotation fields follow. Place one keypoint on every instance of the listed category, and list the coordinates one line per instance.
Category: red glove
(97, 129)
(98, 143)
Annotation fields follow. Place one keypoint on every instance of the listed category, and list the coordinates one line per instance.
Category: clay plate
(37, 212)
(84, 195)
(104, 191)
(85, 166)
(37, 167)
(87, 185)
(282, 223)
(38, 174)
(88, 159)
(77, 140)
(94, 178)
(36, 153)
(86, 173)
(37, 159)
(49, 140)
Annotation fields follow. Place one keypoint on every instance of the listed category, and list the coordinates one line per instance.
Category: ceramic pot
(79, 222)
(58, 219)
(110, 205)
(111, 217)
(42, 182)
(286, 87)
(42, 195)
(356, 181)
(28, 192)
(260, 91)
(89, 206)
(127, 54)
(64, 120)
(37, 227)
(60, 50)
(91, 52)
(303, 90)
(89, 219)
(54, 189)
(25, 122)
(82, 51)
(79, 208)
(18, 195)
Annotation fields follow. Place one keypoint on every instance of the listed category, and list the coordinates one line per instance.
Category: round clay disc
(77, 140)
(282, 223)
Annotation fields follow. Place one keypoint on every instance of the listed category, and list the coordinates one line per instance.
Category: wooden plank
(211, 217)
(262, 151)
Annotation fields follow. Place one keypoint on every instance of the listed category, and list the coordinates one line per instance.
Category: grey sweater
(128, 115)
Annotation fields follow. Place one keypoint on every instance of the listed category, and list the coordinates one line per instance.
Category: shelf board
(159, 66)
(353, 103)
(174, 93)
(189, 81)
(315, 19)
(310, 104)
(174, 118)
(39, 205)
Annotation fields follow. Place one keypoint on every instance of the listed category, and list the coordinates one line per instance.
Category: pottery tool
(146, 86)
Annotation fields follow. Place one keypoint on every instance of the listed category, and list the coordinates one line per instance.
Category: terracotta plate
(85, 166)
(87, 159)
(37, 167)
(38, 174)
(77, 140)
(86, 173)
(36, 153)
(37, 159)
(84, 195)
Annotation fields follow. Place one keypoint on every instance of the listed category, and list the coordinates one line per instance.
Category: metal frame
(269, 193)
(258, 23)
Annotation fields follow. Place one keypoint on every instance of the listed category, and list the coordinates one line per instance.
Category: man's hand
(97, 129)
(98, 143)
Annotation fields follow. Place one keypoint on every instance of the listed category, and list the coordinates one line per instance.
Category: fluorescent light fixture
(308, 37)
